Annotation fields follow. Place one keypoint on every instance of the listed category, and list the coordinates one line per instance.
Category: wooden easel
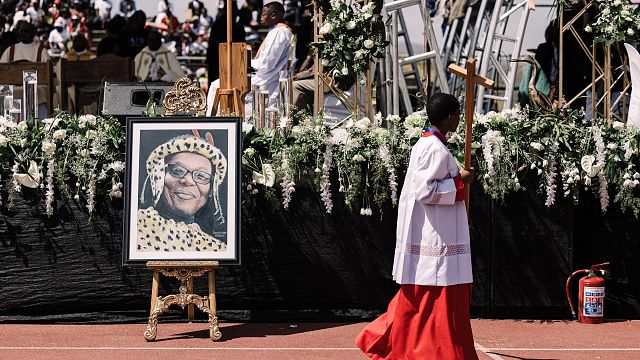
(471, 79)
(184, 271)
(227, 90)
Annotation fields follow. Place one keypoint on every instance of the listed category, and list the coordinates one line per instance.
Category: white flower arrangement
(617, 22)
(68, 149)
(351, 36)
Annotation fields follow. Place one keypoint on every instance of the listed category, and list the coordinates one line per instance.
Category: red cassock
(422, 322)
(429, 317)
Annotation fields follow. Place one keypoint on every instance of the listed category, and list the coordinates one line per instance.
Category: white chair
(633, 116)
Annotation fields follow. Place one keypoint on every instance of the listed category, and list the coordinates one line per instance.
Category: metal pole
(394, 59)
(517, 47)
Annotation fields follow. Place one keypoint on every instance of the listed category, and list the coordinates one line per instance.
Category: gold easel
(184, 271)
(228, 87)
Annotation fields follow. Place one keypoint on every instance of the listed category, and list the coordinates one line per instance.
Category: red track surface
(495, 339)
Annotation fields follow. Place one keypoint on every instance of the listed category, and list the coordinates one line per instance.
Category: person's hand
(466, 176)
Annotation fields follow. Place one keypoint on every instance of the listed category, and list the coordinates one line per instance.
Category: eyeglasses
(199, 177)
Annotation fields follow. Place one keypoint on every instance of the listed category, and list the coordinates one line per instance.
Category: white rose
(326, 29)
(617, 3)
(59, 134)
(247, 127)
(588, 29)
(351, 25)
(52, 122)
(249, 151)
(618, 125)
(23, 126)
(605, 11)
(359, 55)
(91, 119)
(345, 71)
(612, 146)
(536, 145)
(92, 134)
(368, 43)
(325, 62)
(358, 158)
(630, 32)
(48, 147)
(23, 142)
(3, 140)
(609, 29)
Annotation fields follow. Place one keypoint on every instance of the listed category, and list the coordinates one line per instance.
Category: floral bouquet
(616, 22)
(351, 36)
(76, 155)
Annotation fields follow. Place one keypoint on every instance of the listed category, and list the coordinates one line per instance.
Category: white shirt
(272, 58)
(432, 235)
(103, 9)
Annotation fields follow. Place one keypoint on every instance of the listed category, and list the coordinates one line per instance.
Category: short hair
(440, 106)
(275, 7)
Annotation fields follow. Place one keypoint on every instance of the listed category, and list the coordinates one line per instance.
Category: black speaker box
(130, 98)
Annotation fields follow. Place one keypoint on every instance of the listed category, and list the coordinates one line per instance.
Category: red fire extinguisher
(590, 294)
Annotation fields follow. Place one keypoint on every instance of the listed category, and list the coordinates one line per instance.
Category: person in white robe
(157, 63)
(272, 56)
(29, 50)
(429, 316)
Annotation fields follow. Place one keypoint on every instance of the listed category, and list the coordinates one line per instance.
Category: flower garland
(551, 176)
(46, 156)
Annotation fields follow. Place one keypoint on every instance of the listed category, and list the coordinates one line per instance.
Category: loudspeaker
(130, 99)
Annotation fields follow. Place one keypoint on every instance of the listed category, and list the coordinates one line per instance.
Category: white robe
(166, 60)
(432, 235)
(270, 59)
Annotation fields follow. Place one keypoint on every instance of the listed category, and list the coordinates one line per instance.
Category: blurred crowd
(68, 28)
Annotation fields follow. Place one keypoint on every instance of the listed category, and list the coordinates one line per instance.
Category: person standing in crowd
(103, 12)
(127, 8)
(108, 43)
(58, 37)
(133, 38)
(272, 56)
(195, 7)
(157, 63)
(35, 13)
(80, 49)
(429, 317)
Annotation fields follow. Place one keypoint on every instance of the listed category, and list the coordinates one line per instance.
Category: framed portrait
(182, 198)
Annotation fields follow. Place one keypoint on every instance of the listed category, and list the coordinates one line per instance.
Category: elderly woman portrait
(179, 208)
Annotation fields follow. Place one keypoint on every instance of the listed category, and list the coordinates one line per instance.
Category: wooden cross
(471, 79)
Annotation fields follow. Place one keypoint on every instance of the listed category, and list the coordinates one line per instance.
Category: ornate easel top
(182, 264)
(186, 96)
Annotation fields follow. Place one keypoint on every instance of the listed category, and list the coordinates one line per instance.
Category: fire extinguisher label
(593, 301)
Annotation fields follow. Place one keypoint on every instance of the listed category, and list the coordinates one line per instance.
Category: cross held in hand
(471, 79)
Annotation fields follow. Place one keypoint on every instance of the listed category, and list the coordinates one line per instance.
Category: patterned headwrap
(186, 143)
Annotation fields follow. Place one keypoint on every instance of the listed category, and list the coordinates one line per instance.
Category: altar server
(271, 57)
(429, 317)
